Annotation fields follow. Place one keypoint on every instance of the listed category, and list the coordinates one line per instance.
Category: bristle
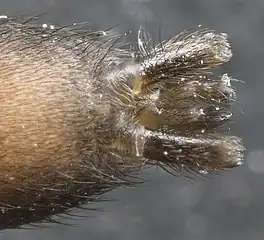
(198, 50)
(198, 154)
(192, 104)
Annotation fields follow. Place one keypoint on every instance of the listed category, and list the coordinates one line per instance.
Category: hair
(79, 113)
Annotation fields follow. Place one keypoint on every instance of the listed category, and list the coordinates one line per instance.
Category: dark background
(230, 206)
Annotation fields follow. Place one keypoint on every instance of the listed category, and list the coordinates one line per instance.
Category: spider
(82, 111)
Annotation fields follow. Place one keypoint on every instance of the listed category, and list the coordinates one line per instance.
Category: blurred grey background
(230, 206)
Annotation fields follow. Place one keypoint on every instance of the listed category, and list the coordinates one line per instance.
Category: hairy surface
(79, 113)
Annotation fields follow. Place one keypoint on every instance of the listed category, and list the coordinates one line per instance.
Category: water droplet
(201, 111)
(44, 25)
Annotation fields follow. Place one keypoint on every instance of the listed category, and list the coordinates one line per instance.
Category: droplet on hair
(44, 25)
